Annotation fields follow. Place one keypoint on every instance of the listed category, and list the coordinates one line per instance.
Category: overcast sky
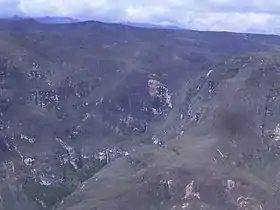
(261, 16)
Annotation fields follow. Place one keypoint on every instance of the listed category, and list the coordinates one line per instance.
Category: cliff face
(174, 116)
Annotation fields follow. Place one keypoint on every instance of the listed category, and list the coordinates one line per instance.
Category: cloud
(231, 15)
(8, 7)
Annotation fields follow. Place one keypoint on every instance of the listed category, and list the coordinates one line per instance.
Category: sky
(256, 16)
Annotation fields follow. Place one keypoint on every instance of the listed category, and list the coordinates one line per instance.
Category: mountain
(15, 17)
(151, 26)
(47, 19)
(56, 20)
(109, 116)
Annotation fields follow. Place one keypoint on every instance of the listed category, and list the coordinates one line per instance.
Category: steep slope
(74, 97)
(229, 160)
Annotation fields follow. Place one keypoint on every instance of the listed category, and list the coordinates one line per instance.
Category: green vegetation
(52, 195)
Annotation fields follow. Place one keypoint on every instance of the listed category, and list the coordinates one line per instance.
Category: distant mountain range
(151, 25)
(46, 19)
(57, 20)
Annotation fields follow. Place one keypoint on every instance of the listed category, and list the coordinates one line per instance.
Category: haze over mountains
(109, 116)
